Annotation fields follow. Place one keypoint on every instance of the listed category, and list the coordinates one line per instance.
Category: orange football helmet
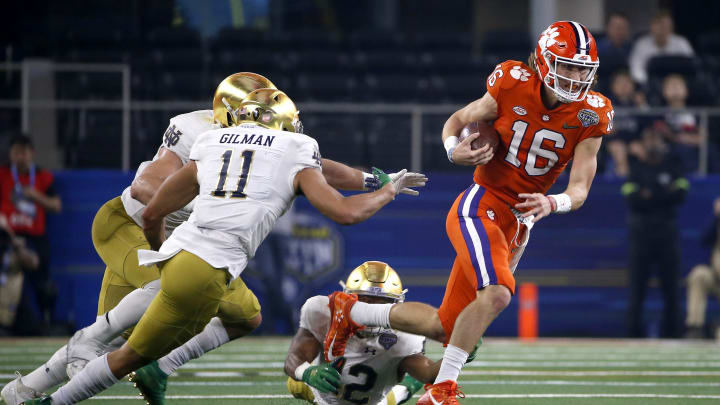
(569, 43)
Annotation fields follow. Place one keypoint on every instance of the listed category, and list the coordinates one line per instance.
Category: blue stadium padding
(73, 262)
(410, 235)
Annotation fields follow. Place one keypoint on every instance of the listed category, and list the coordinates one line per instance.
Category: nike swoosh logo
(332, 343)
(566, 126)
(433, 399)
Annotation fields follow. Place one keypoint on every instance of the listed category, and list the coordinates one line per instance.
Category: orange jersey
(535, 143)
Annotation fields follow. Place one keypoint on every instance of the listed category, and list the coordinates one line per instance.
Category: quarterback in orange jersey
(546, 114)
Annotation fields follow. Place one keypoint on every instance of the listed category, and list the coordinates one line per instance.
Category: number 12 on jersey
(247, 156)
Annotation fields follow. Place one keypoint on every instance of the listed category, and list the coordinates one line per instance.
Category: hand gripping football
(488, 135)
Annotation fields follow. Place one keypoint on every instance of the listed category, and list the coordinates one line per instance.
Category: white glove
(404, 180)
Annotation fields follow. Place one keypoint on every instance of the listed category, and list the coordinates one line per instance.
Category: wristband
(370, 182)
(563, 203)
(450, 144)
(301, 370)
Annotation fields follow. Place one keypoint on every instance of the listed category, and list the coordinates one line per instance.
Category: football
(488, 135)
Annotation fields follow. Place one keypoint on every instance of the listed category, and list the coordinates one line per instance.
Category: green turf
(549, 371)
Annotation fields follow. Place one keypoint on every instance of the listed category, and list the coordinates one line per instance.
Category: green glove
(325, 377)
(381, 176)
(412, 386)
(472, 354)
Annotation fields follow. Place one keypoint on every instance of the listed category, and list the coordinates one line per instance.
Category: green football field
(549, 371)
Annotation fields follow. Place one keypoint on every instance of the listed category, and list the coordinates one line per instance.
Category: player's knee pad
(242, 328)
(240, 306)
(300, 390)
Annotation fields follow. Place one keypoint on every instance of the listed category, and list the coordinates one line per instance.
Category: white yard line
(646, 373)
(201, 365)
(464, 381)
(483, 356)
(674, 396)
(595, 364)
(473, 382)
(639, 373)
(487, 396)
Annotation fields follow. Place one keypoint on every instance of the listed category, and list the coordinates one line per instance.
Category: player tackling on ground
(376, 358)
(546, 115)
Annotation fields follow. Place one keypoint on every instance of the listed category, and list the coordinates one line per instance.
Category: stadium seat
(450, 62)
(661, 66)
(229, 39)
(304, 41)
(380, 62)
(174, 37)
(249, 59)
(324, 87)
(320, 61)
(459, 88)
(507, 44)
(709, 44)
(341, 137)
(178, 59)
(181, 86)
(103, 132)
(442, 41)
(396, 87)
(388, 140)
(433, 152)
(376, 41)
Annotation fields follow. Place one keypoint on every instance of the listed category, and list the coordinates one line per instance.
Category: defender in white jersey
(257, 169)
(128, 289)
(375, 360)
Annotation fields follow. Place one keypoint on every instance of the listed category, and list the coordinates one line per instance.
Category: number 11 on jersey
(220, 191)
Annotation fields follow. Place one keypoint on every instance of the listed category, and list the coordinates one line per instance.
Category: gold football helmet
(269, 108)
(231, 91)
(376, 279)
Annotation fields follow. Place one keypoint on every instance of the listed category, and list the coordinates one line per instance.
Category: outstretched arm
(174, 193)
(342, 177)
(148, 182)
(581, 177)
(332, 204)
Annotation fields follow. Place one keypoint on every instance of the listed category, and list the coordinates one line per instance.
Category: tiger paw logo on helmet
(547, 38)
(519, 73)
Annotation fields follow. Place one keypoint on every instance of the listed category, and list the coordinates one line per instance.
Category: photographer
(14, 259)
(654, 190)
(27, 194)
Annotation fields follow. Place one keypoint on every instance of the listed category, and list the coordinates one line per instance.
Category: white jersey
(179, 138)
(371, 367)
(246, 176)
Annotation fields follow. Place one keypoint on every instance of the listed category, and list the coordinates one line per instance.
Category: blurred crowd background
(93, 85)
